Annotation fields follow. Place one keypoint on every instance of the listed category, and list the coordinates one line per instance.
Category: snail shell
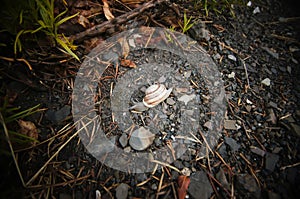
(156, 94)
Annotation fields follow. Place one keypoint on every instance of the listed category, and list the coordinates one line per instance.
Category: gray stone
(59, 115)
(271, 161)
(200, 185)
(295, 128)
(170, 101)
(234, 146)
(123, 140)
(230, 124)
(248, 186)
(122, 191)
(222, 179)
(257, 151)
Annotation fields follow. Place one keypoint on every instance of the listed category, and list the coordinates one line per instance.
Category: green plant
(45, 21)
(187, 24)
(13, 114)
(218, 6)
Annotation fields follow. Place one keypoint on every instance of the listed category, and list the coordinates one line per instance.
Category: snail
(154, 95)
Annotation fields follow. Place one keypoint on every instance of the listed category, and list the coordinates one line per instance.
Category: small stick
(101, 28)
(246, 73)
(289, 166)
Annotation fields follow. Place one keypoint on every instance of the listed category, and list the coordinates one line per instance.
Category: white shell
(141, 139)
(156, 94)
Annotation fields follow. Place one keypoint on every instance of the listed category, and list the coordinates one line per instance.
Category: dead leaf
(106, 10)
(83, 21)
(28, 128)
(128, 63)
(125, 47)
(183, 185)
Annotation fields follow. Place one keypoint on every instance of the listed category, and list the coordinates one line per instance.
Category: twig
(289, 166)
(55, 154)
(11, 149)
(246, 73)
(101, 28)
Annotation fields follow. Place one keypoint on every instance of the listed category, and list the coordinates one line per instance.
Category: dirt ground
(255, 47)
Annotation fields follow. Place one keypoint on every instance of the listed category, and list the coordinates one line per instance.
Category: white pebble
(231, 75)
(266, 82)
(232, 57)
(256, 10)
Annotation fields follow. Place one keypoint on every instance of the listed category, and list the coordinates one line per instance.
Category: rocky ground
(255, 47)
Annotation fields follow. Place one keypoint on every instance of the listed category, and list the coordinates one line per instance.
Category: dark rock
(247, 186)
(234, 146)
(200, 185)
(271, 161)
(222, 178)
(273, 195)
(64, 196)
(59, 115)
(257, 151)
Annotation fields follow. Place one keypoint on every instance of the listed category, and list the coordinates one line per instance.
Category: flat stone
(123, 140)
(57, 116)
(234, 146)
(222, 179)
(295, 128)
(122, 191)
(257, 151)
(230, 124)
(271, 161)
(170, 101)
(141, 139)
(208, 125)
(200, 185)
(248, 186)
(186, 98)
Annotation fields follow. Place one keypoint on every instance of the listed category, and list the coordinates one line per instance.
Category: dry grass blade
(11, 149)
(56, 153)
(107, 11)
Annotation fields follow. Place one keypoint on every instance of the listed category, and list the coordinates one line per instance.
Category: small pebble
(266, 82)
(231, 75)
(232, 57)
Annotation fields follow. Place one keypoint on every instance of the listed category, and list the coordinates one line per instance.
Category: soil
(257, 151)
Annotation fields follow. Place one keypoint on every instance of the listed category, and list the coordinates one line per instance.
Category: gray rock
(248, 187)
(123, 140)
(222, 178)
(59, 115)
(295, 128)
(141, 139)
(122, 191)
(271, 161)
(230, 124)
(257, 151)
(170, 101)
(200, 185)
(234, 146)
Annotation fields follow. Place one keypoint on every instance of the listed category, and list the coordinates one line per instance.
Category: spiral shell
(156, 94)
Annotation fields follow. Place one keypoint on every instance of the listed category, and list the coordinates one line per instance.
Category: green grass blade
(65, 46)
(66, 19)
